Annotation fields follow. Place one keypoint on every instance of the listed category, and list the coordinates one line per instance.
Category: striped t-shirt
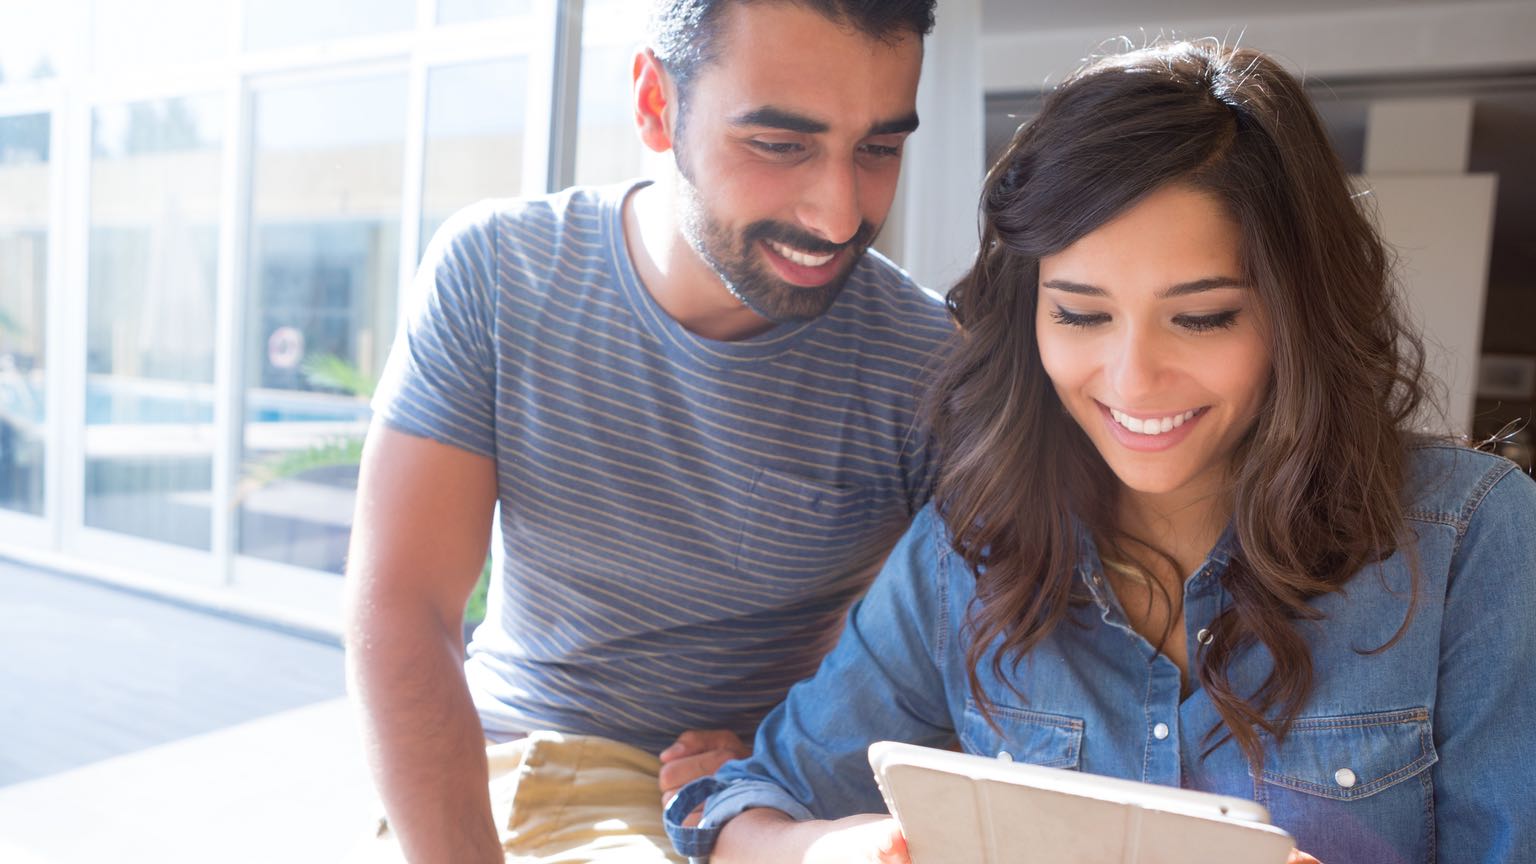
(683, 520)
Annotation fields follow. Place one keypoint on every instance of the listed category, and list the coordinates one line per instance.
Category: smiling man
(694, 401)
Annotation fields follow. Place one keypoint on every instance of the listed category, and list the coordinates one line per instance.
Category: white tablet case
(957, 808)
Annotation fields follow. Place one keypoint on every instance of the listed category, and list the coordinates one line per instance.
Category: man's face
(789, 151)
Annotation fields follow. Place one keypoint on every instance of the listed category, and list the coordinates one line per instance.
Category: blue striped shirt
(683, 520)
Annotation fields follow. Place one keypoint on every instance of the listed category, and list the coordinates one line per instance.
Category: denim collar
(1090, 568)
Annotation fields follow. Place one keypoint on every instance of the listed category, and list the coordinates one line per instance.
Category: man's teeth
(1152, 425)
(804, 259)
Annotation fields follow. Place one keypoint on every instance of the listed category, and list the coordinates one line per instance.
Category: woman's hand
(867, 839)
(771, 837)
(1300, 857)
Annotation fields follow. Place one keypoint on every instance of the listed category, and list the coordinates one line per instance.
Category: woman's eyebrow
(1183, 289)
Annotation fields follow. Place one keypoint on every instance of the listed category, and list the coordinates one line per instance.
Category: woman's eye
(1206, 323)
(1078, 319)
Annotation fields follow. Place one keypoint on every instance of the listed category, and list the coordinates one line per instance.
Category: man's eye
(1206, 323)
(778, 148)
(882, 150)
(1077, 319)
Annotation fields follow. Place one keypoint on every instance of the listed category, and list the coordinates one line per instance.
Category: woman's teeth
(804, 259)
(1152, 425)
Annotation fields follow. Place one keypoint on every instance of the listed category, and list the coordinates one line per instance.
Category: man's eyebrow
(778, 118)
(1183, 289)
(896, 126)
(789, 121)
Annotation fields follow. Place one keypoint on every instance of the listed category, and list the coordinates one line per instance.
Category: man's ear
(653, 98)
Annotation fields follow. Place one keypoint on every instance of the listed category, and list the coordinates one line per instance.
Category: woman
(1182, 533)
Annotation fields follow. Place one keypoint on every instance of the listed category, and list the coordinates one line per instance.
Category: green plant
(474, 610)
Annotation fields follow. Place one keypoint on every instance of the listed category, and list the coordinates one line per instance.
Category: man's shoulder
(881, 292)
(529, 241)
(532, 217)
(876, 270)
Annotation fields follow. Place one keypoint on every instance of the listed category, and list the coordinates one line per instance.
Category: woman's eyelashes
(1078, 319)
(1193, 323)
(1204, 323)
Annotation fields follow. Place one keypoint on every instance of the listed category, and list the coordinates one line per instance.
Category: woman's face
(1154, 342)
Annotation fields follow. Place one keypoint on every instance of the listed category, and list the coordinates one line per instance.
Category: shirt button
(1204, 637)
(1004, 756)
(1344, 777)
(1160, 731)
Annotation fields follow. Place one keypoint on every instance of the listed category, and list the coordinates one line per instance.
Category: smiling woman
(1165, 366)
(1183, 533)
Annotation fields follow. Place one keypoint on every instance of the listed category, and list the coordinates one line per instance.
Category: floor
(136, 729)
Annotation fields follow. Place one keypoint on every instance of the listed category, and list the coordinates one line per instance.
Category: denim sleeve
(1485, 713)
(882, 681)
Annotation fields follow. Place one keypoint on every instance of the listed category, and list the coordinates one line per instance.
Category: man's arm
(419, 541)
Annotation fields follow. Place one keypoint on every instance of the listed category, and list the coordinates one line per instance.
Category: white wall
(933, 231)
(1441, 227)
(1427, 39)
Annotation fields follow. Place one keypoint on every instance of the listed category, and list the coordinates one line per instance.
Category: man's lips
(800, 256)
(801, 268)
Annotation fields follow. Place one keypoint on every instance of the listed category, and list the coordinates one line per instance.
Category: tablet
(962, 808)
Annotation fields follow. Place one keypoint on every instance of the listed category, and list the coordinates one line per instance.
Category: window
(33, 37)
(607, 148)
(461, 11)
(24, 196)
(286, 23)
(149, 438)
(323, 266)
(206, 211)
(474, 141)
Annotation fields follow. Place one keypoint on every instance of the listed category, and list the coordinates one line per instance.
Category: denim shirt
(1423, 752)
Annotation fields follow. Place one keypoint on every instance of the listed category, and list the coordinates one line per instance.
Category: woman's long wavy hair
(1315, 484)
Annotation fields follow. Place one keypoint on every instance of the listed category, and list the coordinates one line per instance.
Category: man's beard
(737, 261)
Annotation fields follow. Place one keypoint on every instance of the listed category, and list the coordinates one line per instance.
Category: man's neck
(681, 283)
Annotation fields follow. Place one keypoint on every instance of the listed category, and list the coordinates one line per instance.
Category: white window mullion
(540, 105)
(68, 351)
(414, 179)
(565, 97)
(229, 403)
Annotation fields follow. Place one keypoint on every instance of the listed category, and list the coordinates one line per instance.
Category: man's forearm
(423, 738)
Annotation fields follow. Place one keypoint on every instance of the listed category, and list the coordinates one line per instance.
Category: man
(695, 404)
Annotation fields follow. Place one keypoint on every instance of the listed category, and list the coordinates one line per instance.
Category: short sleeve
(439, 379)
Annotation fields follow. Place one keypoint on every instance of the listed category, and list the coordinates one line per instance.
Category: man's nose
(829, 203)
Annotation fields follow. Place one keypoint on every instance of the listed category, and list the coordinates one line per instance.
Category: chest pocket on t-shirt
(805, 532)
(1031, 737)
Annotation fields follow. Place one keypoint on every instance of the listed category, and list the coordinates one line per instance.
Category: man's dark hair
(683, 33)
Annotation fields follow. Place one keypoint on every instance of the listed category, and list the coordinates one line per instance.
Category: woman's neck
(1185, 525)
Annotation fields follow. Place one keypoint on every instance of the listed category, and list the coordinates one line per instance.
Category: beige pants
(567, 799)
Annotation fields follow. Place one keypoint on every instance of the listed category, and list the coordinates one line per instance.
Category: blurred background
(208, 209)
